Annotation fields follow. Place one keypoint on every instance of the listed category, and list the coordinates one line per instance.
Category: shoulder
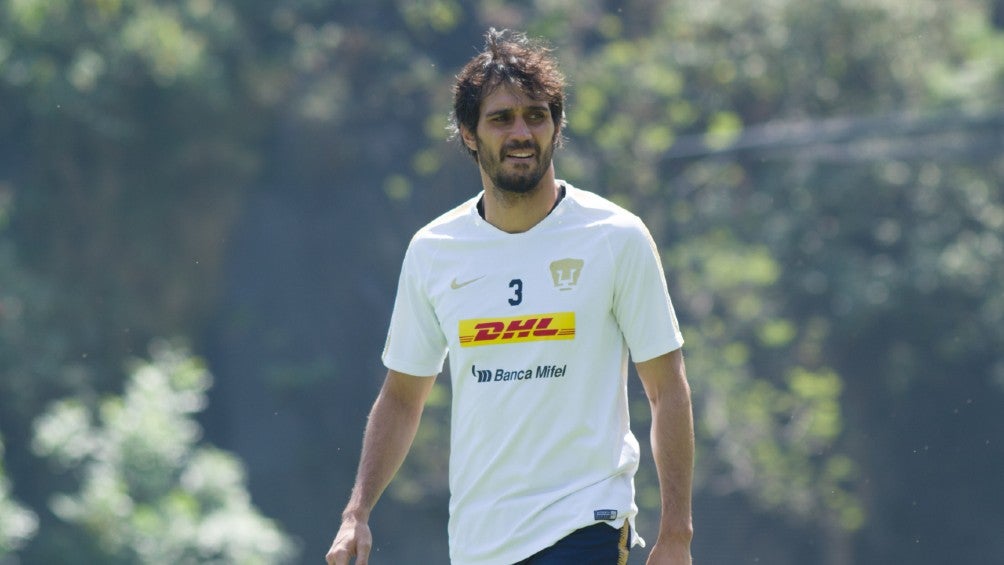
(449, 225)
(595, 210)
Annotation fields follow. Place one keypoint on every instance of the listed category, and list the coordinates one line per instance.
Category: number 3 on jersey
(517, 287)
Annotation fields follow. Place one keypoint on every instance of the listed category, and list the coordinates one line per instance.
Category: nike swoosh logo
(455, 285)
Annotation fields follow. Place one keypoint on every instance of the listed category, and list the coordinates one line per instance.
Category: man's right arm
(389, 434)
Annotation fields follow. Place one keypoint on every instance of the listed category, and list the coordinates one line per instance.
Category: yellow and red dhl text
(532, 327)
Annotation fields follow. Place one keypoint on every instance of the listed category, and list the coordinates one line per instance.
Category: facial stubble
(521, 182)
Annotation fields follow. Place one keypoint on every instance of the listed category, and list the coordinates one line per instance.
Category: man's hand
(669, 554)
(353, 540)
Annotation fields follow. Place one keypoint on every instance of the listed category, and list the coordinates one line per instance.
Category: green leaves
(148, 491)
(157, 36)
(17, 524)
(771, 426)
(823, 179)
(438, 15)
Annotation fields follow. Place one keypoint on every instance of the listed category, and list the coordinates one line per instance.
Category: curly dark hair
(509, 58)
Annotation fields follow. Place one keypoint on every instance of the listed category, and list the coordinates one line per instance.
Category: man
(539, 291)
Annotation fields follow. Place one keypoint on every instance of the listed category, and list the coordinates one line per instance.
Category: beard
(526, 177)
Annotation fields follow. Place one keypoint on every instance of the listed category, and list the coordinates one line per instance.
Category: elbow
(672, 395)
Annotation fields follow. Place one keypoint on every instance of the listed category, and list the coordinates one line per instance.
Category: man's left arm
(672, 437)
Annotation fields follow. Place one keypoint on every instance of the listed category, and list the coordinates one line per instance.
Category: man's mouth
(520, 154)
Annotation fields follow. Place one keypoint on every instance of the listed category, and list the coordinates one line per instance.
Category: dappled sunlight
(823, 180)
(150, 491)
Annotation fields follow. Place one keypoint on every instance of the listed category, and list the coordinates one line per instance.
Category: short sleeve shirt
(539, 327)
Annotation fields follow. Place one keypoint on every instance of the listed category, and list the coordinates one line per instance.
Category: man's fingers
(363, 545)
(350, 542)
(337, 557)
(363, 558)
(339, 554)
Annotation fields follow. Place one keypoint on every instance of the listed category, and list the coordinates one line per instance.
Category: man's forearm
(672, 437)
(390, 431)
(673, 450)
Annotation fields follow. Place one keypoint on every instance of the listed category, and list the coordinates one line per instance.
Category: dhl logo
(533, 327)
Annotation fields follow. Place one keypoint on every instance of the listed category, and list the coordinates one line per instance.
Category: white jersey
(538, 326)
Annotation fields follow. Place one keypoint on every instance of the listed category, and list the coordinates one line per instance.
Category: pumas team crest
(565, 273)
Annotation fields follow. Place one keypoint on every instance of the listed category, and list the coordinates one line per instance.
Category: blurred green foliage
(17, 523)
(147, 491)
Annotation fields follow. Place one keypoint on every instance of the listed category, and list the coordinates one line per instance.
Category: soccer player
(540, 292)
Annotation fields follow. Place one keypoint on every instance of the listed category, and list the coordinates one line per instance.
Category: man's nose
(520, 129)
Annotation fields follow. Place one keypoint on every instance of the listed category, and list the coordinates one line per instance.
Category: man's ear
(470, 140)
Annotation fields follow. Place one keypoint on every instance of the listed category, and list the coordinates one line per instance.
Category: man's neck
(517, 213)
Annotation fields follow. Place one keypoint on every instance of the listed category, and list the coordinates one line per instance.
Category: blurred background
(204, 205)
